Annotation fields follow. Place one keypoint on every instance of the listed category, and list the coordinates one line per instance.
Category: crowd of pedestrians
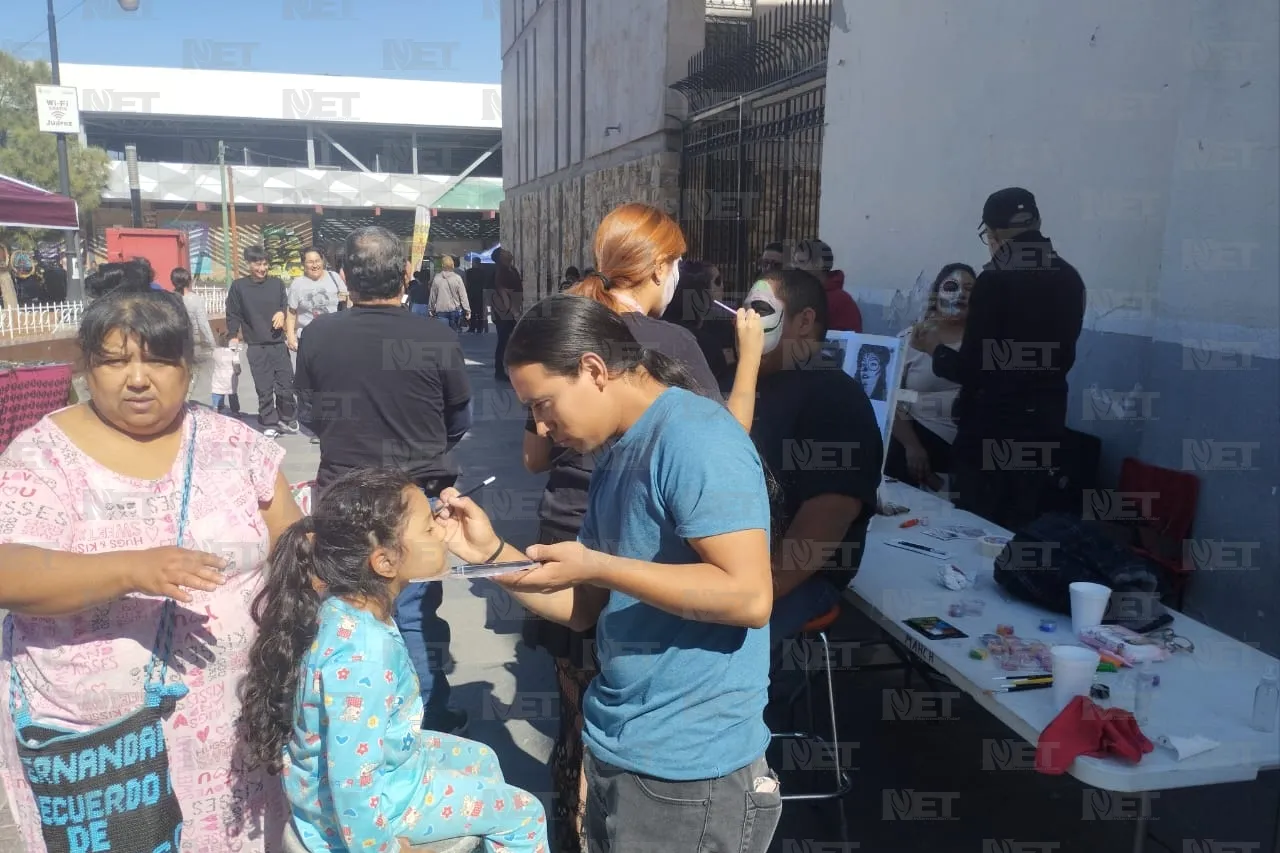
(679, 543)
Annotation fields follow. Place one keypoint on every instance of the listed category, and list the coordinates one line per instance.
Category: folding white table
(1208, 692)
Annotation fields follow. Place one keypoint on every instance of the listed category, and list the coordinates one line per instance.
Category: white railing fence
(215, 299)
(59, 319)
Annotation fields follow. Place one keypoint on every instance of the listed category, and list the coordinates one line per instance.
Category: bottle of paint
(1144, 690)
(1266, 701)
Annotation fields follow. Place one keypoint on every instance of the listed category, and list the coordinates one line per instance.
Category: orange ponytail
(630, 244)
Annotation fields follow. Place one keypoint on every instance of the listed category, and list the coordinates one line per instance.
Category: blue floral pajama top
(360, 772)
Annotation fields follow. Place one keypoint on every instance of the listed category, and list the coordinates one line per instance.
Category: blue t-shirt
(675, 698)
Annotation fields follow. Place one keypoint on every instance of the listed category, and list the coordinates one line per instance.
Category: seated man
(818, 437)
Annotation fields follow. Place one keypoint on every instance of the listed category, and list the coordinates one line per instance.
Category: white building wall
(1148, 131)
(1057, 98)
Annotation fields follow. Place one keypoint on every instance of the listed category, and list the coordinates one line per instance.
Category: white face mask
(770, 322)
(951, 297)
(669, 286)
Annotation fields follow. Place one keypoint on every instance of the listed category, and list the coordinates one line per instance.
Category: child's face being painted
(422, 551)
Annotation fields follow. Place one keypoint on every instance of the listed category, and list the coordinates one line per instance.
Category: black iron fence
(752, 154)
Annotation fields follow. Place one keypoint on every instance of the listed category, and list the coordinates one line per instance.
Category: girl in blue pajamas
(331, 702)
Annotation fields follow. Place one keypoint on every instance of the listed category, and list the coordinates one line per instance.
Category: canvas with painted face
(876, 362)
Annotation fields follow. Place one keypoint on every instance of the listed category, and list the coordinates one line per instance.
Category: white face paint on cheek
(670, 284)
(949, 297)
(772, 323)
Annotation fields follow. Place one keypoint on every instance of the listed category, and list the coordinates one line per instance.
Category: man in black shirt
(508, 297)
(479, 283)
(388, 388)
(256, 306)
(819, 439)
(1025, 315)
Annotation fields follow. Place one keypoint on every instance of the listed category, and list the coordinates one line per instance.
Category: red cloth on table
(27, 394)
(1086, 728)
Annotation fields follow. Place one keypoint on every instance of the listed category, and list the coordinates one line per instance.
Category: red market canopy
(25, 206)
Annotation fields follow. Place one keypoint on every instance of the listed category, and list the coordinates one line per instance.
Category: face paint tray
(489, 570)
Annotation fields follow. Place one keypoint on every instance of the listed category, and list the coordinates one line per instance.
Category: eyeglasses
(983, 234)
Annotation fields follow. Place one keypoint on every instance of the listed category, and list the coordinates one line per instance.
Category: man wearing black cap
(1025, 315)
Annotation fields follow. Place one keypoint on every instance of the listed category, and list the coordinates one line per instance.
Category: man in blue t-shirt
(672, 567)
(676, 698)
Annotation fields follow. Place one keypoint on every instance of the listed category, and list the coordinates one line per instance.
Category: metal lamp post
(75, 277)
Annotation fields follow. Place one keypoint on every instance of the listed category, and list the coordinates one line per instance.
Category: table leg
(1275, 846)
(1140, 826)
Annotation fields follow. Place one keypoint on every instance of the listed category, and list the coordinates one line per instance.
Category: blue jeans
(427, 637)
(811, 599)
(218, 401)
(420, 309)
(453, 319)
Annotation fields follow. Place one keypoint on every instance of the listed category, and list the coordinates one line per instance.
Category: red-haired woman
(637, 250)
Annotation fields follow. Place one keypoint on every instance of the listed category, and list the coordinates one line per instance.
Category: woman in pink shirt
(89, 504)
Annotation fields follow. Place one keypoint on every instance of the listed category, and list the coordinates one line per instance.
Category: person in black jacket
(1025, 316)
(479, 282)
(420, 293)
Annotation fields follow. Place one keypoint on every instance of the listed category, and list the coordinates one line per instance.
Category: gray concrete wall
(589, 121)
(1148, 131)
(1156, 171)
(583, 79)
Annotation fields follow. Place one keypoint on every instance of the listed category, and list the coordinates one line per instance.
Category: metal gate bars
(752, 155)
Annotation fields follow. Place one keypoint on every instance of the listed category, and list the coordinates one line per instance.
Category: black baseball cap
(1012, 207)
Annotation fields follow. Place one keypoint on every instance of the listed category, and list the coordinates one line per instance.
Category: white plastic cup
(1088, 605)
(1073, 673)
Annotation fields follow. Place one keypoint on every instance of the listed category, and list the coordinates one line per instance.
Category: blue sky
(455, 40)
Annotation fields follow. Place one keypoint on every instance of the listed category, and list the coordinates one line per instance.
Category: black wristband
(501, 547)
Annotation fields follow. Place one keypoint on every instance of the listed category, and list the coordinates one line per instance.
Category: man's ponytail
(285, 612)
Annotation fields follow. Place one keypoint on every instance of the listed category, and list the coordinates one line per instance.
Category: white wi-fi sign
(58, 109)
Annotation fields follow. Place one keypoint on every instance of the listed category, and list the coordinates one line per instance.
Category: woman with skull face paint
(923, 431)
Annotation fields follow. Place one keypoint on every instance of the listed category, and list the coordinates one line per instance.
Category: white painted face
(953, 294)
(672, 281)
(771, 311)
(869, 373)
(800, 260)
